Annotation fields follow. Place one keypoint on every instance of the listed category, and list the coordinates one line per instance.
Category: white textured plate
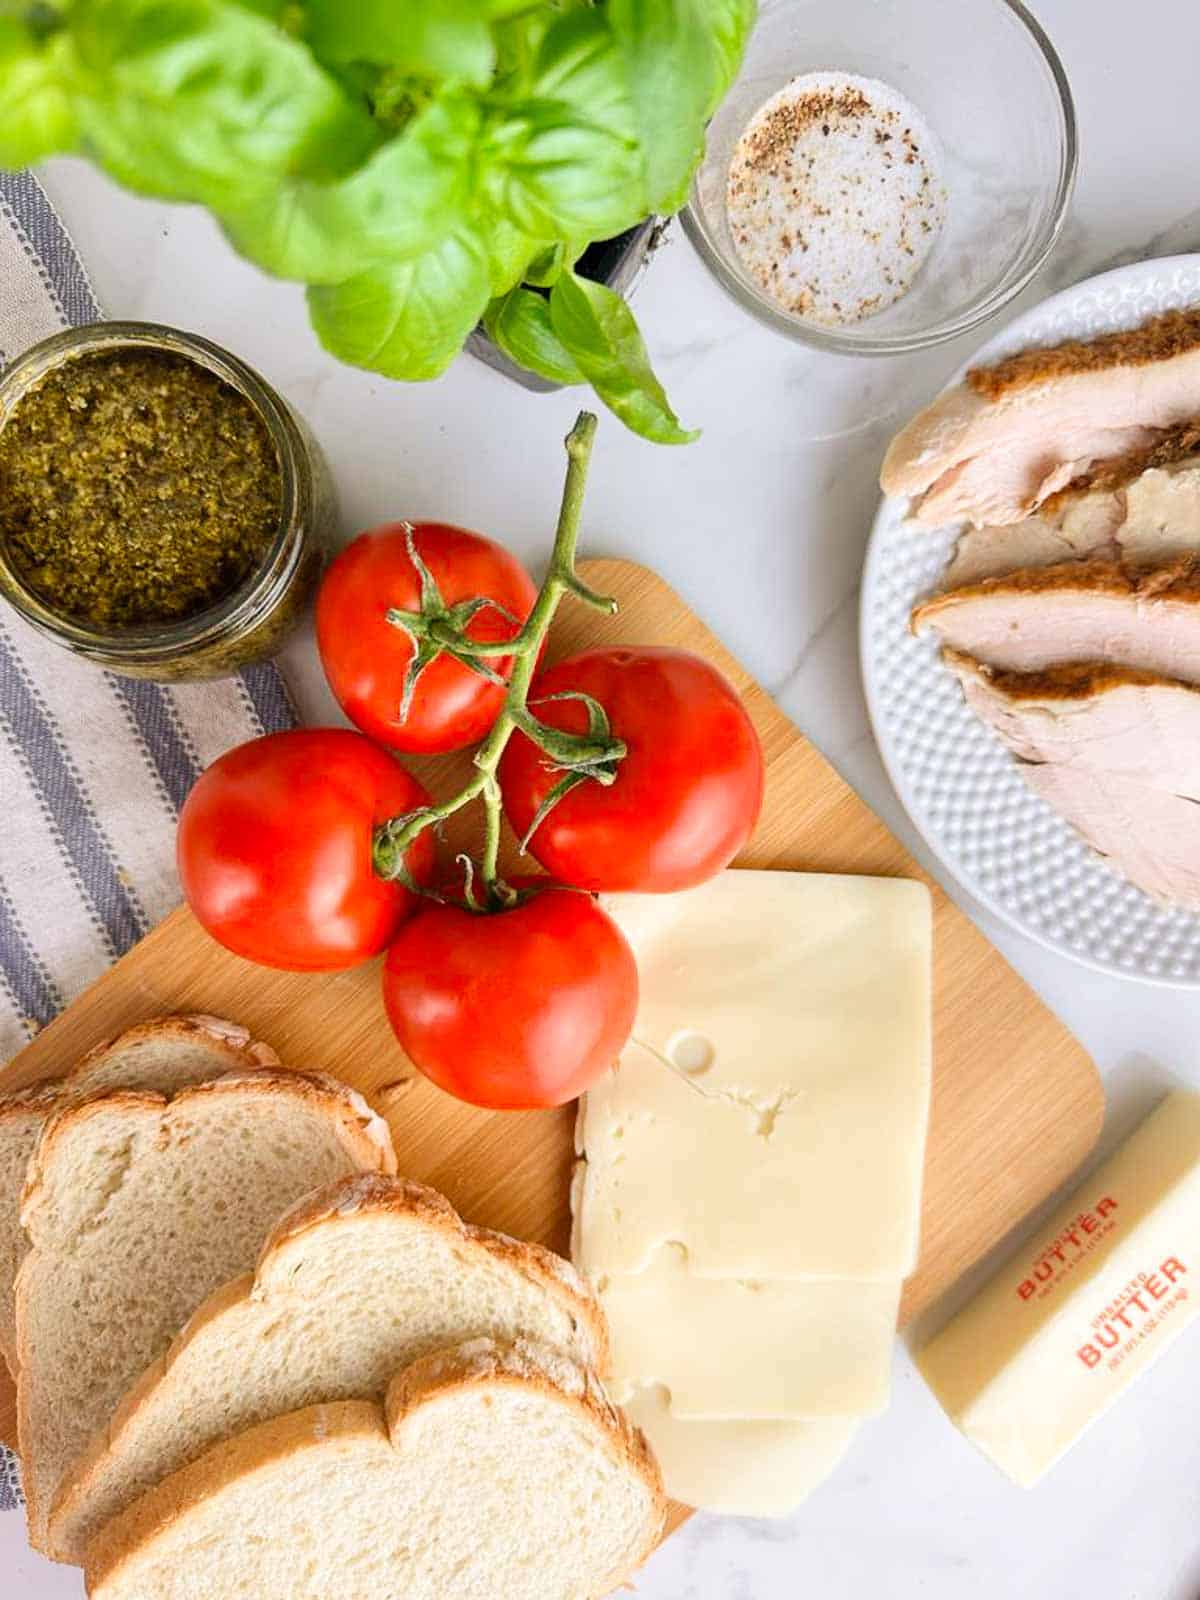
(958, 783)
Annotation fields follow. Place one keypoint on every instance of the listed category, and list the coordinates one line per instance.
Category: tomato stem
(394, 837)
(437, 629)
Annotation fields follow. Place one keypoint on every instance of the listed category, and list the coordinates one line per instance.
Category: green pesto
(135, 487)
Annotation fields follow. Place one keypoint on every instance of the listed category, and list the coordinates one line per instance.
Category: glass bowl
(991, 86)
(249, 624)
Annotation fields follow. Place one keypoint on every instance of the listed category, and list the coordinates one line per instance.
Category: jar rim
(230, 613)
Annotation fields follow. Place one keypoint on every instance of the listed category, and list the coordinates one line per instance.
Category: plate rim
(946, 858)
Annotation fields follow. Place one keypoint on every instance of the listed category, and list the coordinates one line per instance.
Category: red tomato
(512, 1009)
(274, 849)
(686, 796)
(366, 658)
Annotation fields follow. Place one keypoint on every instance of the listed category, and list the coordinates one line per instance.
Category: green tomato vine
(581, 758)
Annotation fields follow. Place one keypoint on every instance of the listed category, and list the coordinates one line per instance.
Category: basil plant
(422, 165)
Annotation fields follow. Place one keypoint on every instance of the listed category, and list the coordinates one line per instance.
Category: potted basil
(422, 165)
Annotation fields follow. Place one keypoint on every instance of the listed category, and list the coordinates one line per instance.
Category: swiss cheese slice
(1098, 1294)
(744, 1469)
(733, 1348)
(787, 1141)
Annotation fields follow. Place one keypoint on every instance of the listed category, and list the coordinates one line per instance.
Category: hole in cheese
(691, 1052)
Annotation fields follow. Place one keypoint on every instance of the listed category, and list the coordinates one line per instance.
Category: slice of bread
(137, 1208)
(166, 1054)
(357, 1281)
(489, 1471)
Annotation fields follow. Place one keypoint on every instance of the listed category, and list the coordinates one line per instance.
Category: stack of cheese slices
(249, 1359)
(747, 1199)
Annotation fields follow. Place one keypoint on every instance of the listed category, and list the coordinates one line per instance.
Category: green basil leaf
(274, 9)
(558, 177)
(520, 324)
(412, 192)
(670, 70)
(508, 250)
(550, 263)
(204, 100)
(729, 23)
(408, 320)
(518, 40)
(650, 72)
(36, 115)
(504, 10)
(564, 161)
(581, 64)
(547, 266)
(429, 38)
(599, 331)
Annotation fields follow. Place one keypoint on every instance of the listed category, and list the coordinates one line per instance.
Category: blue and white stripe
(93, 767)
(39, 742)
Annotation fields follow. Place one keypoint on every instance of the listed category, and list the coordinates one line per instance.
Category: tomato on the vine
(369, 660)
(686, 795)
(513, 1009)
(275, 849)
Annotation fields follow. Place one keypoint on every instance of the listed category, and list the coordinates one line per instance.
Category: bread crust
(38, 1101)
(363, 1130)
(358, 1127)
(369, 1194)
(522, 1364)
(1162, 338)
(478, 1364)
(242, 1456)
(242, 1048)
(243, 1051)
(36, 1098)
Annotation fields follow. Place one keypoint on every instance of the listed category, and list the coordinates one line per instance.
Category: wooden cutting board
(1017, 1104)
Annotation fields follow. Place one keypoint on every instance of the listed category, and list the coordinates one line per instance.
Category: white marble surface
(761, 526)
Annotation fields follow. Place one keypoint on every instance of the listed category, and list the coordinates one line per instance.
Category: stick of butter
(757, 1349)
(787, 1140)
(741, 1469)
(1098, 1295)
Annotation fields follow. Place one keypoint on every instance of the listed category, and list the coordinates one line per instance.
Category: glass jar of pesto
(163, 511)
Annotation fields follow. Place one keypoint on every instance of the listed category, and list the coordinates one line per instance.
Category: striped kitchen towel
(93, 767)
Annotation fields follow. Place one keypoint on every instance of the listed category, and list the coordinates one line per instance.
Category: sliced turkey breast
(1076, 611)
(1092, 717)
(1076, 529)
(993, 448)
(1143, 520)
(1010, 479)
(1150, 835)
(1162, 514)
